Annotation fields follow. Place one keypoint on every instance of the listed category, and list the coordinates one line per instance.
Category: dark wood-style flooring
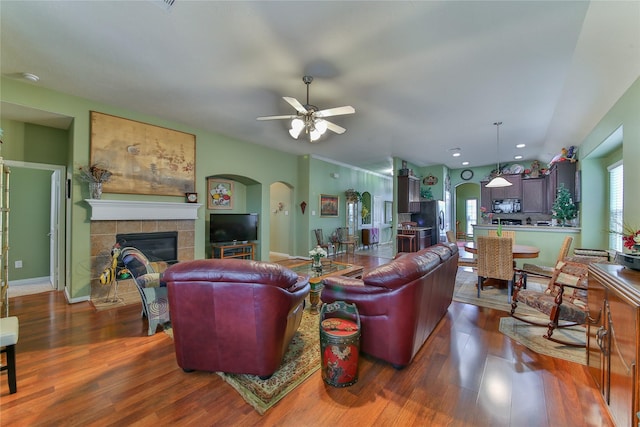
(79, 367)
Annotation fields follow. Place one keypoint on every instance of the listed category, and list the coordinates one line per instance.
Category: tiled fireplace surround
(103, 237)
(137, 219)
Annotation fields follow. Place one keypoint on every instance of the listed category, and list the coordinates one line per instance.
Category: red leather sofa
(401, 302)
(234, 316)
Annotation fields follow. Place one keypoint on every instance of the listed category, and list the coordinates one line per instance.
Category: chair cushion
(136, 262)
(150, 280)
(545, 302)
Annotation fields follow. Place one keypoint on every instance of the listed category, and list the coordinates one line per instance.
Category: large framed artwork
(219, 193)
(143, 158)
(328, 205)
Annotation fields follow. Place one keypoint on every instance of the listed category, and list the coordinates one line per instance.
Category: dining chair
(9, 331)
(543, 270)
(451, 236)
(327, 246)
(495, 261)
(564, 300)
(344, 238)
(505, 233)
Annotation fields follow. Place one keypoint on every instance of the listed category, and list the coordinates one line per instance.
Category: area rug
(301, 360)
(491, 296)
(531, 336)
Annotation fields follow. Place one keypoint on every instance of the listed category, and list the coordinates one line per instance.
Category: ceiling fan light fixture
(315, 135)
(296, 127)
(321, 126)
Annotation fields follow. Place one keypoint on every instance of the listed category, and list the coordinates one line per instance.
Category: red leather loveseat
(234, 316)
(401, 302)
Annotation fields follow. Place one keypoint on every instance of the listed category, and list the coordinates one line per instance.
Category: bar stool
(8, 339)
(407, 235)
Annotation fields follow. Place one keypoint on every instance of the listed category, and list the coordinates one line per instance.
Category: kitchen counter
(548, 238)
(537, 228)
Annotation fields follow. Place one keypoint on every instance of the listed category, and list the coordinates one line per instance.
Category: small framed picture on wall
(328, 205)
(219, 193)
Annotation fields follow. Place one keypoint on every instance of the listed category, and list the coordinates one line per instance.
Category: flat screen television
(225, 228)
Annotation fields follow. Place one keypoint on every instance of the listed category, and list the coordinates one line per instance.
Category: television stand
(233, 250)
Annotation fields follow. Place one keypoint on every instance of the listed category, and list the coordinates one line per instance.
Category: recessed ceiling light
(458, 154)
(518, 157)
(465, 163)
(521, 145)
(30, 77)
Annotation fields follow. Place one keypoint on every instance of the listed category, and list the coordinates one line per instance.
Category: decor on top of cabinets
(219, 193)
(144, 159)
(328, 205)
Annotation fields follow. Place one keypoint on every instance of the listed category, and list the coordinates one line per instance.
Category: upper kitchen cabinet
(560, 173)
(534, 195)
(408, 191)
(514, 191)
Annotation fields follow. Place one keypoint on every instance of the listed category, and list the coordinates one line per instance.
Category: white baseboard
(32, 281)
(75, 300)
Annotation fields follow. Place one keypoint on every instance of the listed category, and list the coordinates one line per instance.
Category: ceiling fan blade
(347, 109)
(296, 104)
(335, 128)
(277, 117)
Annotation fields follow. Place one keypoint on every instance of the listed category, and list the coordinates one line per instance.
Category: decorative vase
(95, 190)
(316, 262)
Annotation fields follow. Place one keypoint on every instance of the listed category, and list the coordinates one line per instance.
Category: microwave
(506, 206)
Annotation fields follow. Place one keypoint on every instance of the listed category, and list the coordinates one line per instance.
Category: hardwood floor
(77, 366)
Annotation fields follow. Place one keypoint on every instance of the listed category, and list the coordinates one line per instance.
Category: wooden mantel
(103, 210)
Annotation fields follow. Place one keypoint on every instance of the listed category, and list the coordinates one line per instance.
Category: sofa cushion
(402, 270)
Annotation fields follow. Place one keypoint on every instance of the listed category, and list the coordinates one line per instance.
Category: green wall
(30, 204)
(594, 209)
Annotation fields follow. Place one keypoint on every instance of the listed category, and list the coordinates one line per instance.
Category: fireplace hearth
(157, 246)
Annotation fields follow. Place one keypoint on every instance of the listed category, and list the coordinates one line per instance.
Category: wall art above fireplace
(143, 159)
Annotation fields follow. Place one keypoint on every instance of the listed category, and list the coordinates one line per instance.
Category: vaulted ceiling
(425, 77)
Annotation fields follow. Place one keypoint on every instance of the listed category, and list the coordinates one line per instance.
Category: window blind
(616, 219)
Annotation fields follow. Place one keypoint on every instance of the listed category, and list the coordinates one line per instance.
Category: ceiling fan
(309, 118)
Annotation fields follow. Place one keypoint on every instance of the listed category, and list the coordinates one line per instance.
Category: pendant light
(498, 181)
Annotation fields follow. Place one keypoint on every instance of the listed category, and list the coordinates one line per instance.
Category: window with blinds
(616, 219)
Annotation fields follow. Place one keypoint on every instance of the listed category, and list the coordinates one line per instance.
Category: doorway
(51, 213)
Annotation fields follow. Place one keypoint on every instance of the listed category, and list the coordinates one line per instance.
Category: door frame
(57, 215)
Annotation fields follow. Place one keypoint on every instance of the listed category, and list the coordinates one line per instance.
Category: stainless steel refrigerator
(433, 214)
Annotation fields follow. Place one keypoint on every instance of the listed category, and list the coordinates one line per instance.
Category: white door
(54, 228)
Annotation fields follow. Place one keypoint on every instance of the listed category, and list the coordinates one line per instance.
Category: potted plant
(353, 196)
(563, 208)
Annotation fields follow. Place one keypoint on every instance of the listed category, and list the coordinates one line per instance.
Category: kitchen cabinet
(487, 194)
(613, 338)
(514, 191)
(561, 173)
(534, 195)
(408, 192)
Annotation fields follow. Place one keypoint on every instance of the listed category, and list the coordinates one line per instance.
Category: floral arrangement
(484, 214)
(631, 238)
(95, 173)
(317, 253)
(352, 195)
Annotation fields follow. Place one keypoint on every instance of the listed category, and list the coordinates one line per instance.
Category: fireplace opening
(157, 246)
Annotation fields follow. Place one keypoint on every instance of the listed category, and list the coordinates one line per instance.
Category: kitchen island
(548, 238)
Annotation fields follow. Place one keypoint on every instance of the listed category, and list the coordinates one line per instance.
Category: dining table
(519, 251)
